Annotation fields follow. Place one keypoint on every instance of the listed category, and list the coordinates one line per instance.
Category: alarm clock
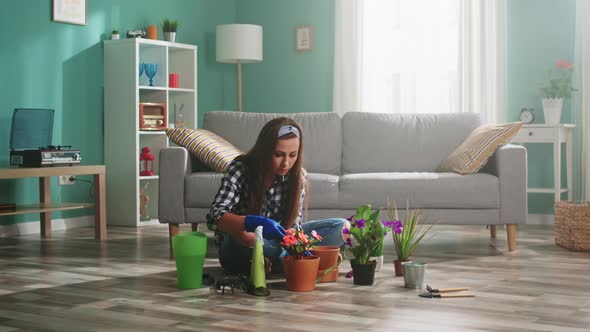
(527, 115)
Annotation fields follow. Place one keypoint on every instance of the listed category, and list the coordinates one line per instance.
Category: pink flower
(316, 235)
(562, 63)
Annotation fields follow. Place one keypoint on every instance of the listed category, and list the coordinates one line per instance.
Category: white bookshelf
(123, 91)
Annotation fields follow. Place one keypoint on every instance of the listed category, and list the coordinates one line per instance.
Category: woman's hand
(271, 229)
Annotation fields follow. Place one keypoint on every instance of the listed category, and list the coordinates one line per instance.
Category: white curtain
(581, 100)
(396, 56)
(348, 47)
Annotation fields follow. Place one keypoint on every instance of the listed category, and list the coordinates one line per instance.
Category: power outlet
(66, 180)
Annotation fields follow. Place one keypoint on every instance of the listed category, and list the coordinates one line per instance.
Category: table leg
(45, 198)
(569, 159)
(557, 168)
(100, 212)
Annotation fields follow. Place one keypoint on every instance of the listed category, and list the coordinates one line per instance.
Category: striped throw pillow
(209, 148)
(471, 155)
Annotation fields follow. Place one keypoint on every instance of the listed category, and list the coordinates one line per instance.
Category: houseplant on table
(363, 238)
(412, 233)
(557, 87)
(300, 266)
(170, 27)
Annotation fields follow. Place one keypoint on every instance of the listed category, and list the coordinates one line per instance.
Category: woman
(265, 187)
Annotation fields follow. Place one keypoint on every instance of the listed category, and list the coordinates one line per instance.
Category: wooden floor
(72, 283)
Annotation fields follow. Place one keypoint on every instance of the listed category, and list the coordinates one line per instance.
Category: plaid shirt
(233, 197)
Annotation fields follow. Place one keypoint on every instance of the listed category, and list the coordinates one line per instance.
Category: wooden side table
(555, 135)
(45, 207)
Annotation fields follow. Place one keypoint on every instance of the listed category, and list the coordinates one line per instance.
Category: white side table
(553, 134)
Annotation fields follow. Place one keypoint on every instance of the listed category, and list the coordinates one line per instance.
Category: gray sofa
(362, 158)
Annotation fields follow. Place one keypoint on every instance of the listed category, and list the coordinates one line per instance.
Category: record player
(30, 141)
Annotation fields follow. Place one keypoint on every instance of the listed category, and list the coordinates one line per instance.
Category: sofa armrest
(509, 164)
(174, 166)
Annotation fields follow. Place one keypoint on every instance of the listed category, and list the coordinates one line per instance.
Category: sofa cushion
(471, 155)
(380, 142)
(210, 149)
(201, 188)
(323, 191)
(322, 135)
(421, 190)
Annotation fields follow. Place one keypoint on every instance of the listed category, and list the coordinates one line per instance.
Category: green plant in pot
(412, 233)
(364, 238)
(170, 27)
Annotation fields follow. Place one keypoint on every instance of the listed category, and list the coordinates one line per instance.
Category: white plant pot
(115, 36)
(170, 36)
(379, 260)
(552, 110)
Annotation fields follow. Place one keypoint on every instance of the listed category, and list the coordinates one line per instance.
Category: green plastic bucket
(189, 251)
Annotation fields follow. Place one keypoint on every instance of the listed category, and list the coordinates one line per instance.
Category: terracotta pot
(399, 271)
(363, 274)
(152, 32)
(330, 276)
(301, 273)
(329, 256)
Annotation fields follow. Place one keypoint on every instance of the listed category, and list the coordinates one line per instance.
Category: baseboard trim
(540, 219)
(34, 227)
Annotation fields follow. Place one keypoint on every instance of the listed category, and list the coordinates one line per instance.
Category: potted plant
(557, 86)
(115, 35)
(406, 241)
(362, 239)
(300, 266)
(170, 27)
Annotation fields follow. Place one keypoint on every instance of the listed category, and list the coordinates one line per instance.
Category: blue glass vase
(150, 70)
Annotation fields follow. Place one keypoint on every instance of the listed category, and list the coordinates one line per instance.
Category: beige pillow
(471, 155)
(209, 148)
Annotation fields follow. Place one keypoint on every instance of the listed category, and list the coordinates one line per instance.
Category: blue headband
(288, 130)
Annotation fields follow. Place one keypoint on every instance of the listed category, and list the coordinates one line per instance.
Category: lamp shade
(239, 43)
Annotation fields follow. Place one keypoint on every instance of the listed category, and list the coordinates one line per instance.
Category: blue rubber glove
(271, 230)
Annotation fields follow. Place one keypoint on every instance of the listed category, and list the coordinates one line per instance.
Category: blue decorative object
(150, 70)
(141, 69)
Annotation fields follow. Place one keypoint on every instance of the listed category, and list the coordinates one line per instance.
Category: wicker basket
(572, 225)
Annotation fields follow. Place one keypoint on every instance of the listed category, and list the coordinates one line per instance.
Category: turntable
(30, 141)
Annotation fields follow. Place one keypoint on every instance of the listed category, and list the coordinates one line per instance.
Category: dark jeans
(236, 258)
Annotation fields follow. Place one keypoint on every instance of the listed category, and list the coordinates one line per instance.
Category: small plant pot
(301, 274)
(115, 36)
(552, 110)
(363, 274)
(170, 36)
(414, 274)
(397, 264)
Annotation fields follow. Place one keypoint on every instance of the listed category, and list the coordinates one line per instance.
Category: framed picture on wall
(70, 11)
(304, 38)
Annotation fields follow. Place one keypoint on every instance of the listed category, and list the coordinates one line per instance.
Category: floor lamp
(239, 43)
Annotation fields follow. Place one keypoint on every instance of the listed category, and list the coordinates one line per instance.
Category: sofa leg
(493, 231)
(511, 233)
(173, 230)
(195, 227)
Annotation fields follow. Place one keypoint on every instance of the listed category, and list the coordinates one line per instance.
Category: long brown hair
(259, 163)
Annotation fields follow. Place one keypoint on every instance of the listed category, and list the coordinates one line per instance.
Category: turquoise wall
(54, 65)
(539, 33)
(287, 81)
(60, 66)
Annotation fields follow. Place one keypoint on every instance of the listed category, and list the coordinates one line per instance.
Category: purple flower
(349, 218)
(373, 237)
(345, 231)
(348, 242)
(397, 230)
(361, 223)
(349, 274)
(391, 223)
